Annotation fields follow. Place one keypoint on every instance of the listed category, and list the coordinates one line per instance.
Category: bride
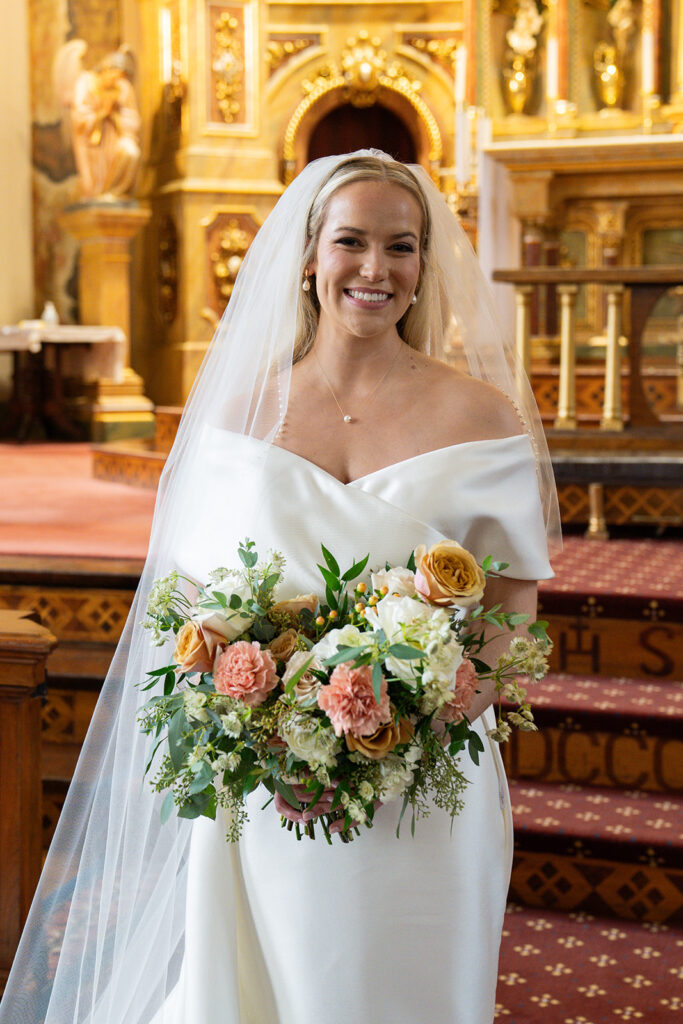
(324, 412)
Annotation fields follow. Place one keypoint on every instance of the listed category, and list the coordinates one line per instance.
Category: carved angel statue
(622, 20)
(521, 38)
(105, 123)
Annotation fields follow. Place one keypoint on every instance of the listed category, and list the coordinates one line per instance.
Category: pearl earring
(306, 284)
(413, 300)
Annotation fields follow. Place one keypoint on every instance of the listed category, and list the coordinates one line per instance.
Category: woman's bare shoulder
(466, 407)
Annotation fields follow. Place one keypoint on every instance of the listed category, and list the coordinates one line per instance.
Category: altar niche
(347, 128)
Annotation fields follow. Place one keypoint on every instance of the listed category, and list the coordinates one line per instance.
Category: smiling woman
(324, 412)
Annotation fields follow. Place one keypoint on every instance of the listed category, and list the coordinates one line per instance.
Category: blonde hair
(413, 325)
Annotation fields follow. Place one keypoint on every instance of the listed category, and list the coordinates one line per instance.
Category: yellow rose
(383, 739)
(284, 645)
(448, 574)
(191, 651)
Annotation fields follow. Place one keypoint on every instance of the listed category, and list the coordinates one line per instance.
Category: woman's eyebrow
(362, 231)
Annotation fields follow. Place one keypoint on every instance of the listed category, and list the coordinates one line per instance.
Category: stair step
(581, 969)
(615, 608)
(593, 731)
(598, 850)
(136, 463)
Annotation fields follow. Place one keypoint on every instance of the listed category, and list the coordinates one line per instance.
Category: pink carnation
(465, 689)
(246, 672)
(350, 704)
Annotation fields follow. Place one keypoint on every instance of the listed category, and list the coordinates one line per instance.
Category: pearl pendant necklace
(345, 416)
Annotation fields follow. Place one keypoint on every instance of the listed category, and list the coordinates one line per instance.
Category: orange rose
(191, 651)
(282, 647)
(382, 741)
(448, 574)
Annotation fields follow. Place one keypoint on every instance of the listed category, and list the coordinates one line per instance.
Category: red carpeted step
(580, 969)
(597, 849)
(616, 608)
(598, 731)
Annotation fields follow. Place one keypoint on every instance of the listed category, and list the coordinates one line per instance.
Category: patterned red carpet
(619, 567)
(579, 969)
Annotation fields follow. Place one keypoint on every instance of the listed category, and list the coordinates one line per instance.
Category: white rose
(228, 623)
(347, 636)
(309, 740)
(307, 687)
(394, 615)
(399, 581)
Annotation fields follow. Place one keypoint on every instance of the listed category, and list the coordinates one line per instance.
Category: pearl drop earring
(306, 284)
(413, 300)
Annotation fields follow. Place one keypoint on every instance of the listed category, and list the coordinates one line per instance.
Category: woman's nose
(373, 267)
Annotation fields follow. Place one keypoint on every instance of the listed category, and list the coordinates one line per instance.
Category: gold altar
(577, 103)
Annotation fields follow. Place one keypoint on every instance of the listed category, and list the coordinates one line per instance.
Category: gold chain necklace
(345, 416)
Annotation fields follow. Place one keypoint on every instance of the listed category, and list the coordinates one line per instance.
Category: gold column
(566, 408)
(115, 409)
(649, 59)
(523, 294)
(612, 418)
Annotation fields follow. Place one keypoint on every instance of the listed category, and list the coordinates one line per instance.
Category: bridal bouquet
(358, 696)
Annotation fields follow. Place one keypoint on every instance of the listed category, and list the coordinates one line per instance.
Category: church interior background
(554, 129)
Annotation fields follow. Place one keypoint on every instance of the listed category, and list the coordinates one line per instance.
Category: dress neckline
(392, 466)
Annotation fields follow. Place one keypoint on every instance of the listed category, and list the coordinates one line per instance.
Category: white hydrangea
(310, 740)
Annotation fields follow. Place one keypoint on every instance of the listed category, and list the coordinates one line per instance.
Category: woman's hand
(311, 811)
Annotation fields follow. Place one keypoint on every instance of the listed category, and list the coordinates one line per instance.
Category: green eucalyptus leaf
(377, 680)
(167, 807)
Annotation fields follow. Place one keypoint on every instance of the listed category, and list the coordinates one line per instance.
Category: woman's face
(367, 262)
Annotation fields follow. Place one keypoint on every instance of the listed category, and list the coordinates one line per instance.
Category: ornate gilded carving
(281, 49)
(228, 65)
(227, 258)
(361, 76)
(167, 274)
(440, 49)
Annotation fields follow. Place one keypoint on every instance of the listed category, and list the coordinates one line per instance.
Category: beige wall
(16, 275)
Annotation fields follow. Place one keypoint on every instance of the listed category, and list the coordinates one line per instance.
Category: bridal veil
(104, 940)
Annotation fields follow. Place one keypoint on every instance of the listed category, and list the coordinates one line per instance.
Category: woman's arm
(515, 596)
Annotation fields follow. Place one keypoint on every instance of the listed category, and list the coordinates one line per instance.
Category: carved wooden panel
(95, 616)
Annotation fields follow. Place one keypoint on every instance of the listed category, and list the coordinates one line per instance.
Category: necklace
(345, 416)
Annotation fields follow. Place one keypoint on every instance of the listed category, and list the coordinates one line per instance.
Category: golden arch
(397, 94)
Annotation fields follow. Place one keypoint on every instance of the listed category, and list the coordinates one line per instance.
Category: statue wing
(66, 68)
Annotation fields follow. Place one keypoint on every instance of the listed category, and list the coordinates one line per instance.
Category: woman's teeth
(368, 296)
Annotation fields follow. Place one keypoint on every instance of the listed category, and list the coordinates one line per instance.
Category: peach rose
(296, 604)
(284, 645)
(192, 653)
(463, 695)
(245, 671)
(448, 574)
(349, 701)
(383, 739)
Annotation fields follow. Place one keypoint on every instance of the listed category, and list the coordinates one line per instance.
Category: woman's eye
(403, 247)
(348, 241)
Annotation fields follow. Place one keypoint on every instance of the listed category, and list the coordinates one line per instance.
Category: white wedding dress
(382, 930)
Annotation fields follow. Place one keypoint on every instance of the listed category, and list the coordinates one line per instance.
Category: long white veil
(105, 935)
